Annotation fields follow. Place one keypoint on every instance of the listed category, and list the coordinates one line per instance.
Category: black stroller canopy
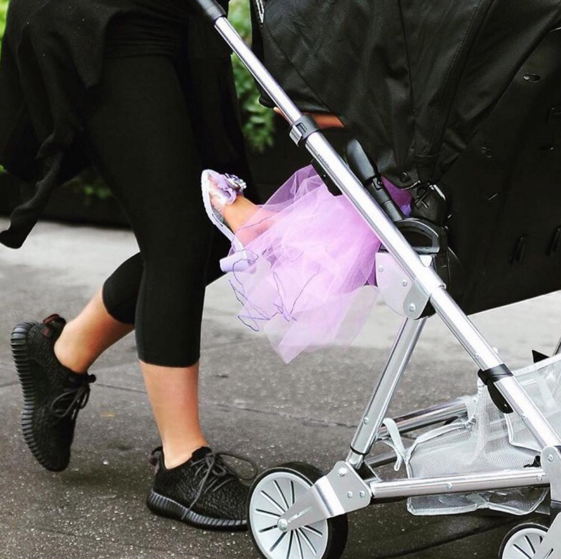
(413, 80)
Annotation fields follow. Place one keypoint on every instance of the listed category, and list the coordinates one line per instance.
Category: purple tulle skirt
(306, 276)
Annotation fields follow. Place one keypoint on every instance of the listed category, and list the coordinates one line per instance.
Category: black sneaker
(53, 394)
(204, 491)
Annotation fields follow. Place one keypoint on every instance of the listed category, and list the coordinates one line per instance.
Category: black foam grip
(210, 8)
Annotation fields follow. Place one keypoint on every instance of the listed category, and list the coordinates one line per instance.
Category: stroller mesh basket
(488, 440)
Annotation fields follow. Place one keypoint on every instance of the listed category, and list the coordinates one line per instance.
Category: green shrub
(3, 11)
(258, 122)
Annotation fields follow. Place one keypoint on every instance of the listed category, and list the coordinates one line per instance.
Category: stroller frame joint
(401, 294)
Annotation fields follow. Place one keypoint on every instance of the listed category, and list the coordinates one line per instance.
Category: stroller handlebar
(210, 8)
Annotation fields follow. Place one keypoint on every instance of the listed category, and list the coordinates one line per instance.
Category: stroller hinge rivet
(350, 494)
(550, 458)
(448, 486)
(362, 494)
(342, 472)
(412, 307)
(380, 269)
(366, 420)
(404, 283)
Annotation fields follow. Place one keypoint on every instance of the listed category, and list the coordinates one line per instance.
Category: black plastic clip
(490, 377)
(302, 129)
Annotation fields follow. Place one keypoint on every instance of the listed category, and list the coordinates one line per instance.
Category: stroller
(459, 102)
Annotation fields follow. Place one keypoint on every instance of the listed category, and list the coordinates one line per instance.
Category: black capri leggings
(149, 137)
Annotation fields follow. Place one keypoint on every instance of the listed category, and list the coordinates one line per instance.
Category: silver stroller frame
(409, 283)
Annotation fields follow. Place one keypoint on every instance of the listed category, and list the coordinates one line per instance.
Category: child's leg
(238, 214)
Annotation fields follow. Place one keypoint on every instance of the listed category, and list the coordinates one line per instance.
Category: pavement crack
(121, 543)
(243, 407)
(453, 538)
(278, 413)
(8, 384)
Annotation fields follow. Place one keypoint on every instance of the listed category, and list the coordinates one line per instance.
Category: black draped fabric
(413, 80)
(51, 62)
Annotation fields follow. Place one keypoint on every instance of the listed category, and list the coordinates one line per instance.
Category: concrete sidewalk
(251, 402)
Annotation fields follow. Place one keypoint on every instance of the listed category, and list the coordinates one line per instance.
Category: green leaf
(258, 121)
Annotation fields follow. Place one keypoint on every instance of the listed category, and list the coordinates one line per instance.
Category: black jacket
(51, 61)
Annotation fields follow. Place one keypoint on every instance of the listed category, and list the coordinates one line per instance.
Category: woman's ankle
(175, 455)
(68, 351)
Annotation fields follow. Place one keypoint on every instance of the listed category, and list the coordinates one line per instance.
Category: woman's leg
(141, 140)
(110, 315)
(106, 319)
(87, 336)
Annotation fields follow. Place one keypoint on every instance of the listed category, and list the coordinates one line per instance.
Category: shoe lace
(72, 400)
(216, 473)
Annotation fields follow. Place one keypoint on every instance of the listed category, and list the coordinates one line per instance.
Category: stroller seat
(449, 93)
(504, 191)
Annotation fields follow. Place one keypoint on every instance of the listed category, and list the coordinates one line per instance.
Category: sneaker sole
(164, 506)
(18, 342)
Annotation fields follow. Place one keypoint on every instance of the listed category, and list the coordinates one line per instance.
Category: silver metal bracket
(339, 492)
(550, 548)
(302, 129)
(551, 463)
(403, 295)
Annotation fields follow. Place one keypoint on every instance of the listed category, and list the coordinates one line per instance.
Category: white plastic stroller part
(523, 541)
(486, 440)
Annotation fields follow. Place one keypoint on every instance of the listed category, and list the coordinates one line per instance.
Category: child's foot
(204, 492)
(220, 192)
(53, 394)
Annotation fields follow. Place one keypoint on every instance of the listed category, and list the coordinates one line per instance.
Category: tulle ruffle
(306, 276)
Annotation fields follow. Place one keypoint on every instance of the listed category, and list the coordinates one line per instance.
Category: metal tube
(381, 460)
(471, 483)
(425, 277)
(430, 416)
(369, 427)
(417, 420)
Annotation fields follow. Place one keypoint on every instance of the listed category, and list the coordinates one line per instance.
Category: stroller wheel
(523, 541)
(272, 493)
